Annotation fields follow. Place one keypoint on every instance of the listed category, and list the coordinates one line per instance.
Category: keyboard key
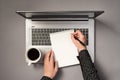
(42, 37)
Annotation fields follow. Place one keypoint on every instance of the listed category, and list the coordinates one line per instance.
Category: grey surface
(12, 38)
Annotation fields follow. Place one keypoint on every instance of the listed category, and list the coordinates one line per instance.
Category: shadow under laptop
(101, 73)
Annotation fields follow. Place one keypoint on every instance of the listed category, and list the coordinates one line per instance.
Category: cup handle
(29, 64)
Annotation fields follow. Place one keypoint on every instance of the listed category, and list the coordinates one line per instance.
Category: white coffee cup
(33, 55)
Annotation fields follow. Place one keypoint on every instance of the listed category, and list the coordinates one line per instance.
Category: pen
(80, 41)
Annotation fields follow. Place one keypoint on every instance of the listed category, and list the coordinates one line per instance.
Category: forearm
(45, 78)
(88, 69)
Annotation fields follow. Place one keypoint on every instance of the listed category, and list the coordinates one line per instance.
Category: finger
(79, 32)
(56, 66)
(47, 55)
(52, 57)
(73, 38)
(74, 33)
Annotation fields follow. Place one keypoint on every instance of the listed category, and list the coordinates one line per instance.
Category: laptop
(39, 25)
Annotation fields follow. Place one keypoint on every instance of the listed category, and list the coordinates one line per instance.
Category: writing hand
(76, 38)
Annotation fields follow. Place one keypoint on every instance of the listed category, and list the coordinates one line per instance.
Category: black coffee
(33, 54)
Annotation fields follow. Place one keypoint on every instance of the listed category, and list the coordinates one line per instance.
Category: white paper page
(65, 51)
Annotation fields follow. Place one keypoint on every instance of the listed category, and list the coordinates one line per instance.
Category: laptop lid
(59, 15)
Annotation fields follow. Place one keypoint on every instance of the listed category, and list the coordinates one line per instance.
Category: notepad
(64, 49)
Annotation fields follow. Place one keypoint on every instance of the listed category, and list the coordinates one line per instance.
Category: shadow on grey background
(59, 73)
(96, 63)
(107, 37)
(100, 71)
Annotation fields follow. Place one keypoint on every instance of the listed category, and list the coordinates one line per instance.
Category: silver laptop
(40, 24)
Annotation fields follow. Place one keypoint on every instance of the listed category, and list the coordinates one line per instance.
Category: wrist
(82, 48)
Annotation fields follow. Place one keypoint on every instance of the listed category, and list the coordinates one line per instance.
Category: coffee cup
(33, 55)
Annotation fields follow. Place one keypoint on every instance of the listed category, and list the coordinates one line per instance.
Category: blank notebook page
(64, 49)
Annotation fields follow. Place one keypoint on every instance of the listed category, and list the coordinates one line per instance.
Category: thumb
(73, 38)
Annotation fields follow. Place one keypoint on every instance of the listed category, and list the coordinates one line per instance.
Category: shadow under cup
(33, 54)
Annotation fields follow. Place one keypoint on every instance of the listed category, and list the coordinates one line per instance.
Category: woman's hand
(78, 35)
(50, 65)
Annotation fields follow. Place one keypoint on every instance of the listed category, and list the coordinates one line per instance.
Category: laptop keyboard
(40, 36)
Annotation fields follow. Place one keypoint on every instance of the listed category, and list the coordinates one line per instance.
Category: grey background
(12, 38)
